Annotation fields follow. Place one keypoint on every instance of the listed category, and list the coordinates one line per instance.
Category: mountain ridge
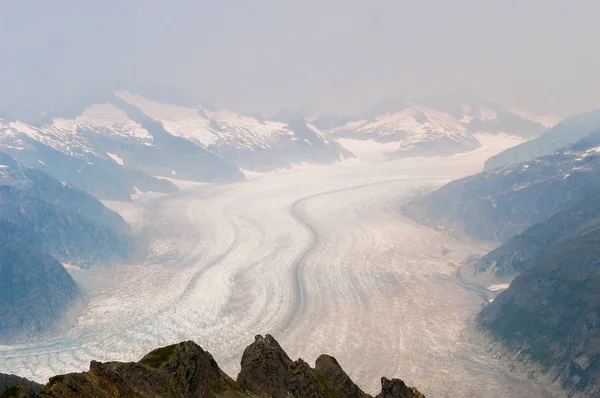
(441, 126)
(44, 224)
(185, 369)
(567, 132)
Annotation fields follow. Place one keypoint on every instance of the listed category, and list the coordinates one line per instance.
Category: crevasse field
(319, 257)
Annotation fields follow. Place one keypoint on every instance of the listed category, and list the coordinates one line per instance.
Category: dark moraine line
(298, 306)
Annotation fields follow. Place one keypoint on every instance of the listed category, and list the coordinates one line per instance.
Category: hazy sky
(323, 56)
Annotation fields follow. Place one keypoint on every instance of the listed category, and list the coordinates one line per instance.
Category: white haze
(339, 56)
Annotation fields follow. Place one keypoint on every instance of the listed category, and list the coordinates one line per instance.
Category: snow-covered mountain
(65, 155)
(436, 127)
(250, 143)
(498, 204)
(117, 143)
(114, 144)
(480, 115)
(418, 131)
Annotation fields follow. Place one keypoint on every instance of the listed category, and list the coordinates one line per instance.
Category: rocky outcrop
(396, 388)
(186, 370)
(7, 381)
(269, 372)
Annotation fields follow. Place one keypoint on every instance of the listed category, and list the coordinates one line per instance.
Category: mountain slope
(35, 289)
(499, 204)
(44, 221)
(103, 177)
(7, 381)
(105, 137)
(550, 313)
(547, 211)
(71, 225)
(435, 127)
(480, 115)
(418, 131)
(133, 138)
(564, 133)
(186, 370)
(521, 251)
(248, 142)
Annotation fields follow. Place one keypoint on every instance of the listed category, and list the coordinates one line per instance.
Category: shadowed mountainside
(499, 204)
(564, 133)
(45, 223)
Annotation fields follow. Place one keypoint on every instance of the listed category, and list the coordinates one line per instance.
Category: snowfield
(321, 258)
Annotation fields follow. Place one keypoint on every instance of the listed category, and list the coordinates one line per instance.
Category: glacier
(320, 257)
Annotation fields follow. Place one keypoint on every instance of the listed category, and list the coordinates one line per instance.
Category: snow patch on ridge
(110, 117)
(498, 287)
(177, 120)
(116, 158)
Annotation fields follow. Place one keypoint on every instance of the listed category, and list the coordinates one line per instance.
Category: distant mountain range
(186, 370)
(118, 143)
(248, 142)
(44, 222)
(115, 144)
(546, 213)
(435, 127)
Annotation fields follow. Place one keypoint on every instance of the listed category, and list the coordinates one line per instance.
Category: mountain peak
(186, 370)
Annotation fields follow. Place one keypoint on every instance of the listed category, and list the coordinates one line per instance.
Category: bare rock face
(180, 370)
(336, 379)
(269, 372)
(396, 388)
(16, 384)
(186, 370)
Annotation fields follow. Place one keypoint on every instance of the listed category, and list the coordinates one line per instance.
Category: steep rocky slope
(186, 370)
(71, 225)
(564, 133)
(547, 213)
(44, 221)
(7, 381)
(35, 289)
(551, 313)
(499, 204)
(520, 252)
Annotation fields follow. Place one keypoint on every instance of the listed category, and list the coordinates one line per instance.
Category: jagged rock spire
(186, 370)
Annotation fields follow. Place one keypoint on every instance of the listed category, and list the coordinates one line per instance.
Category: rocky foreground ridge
(186, 370)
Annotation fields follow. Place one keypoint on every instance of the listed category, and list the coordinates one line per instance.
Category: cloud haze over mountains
(338, 56)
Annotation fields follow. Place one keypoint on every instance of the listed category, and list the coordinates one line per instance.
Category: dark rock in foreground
(186, 370)
(8, 381)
